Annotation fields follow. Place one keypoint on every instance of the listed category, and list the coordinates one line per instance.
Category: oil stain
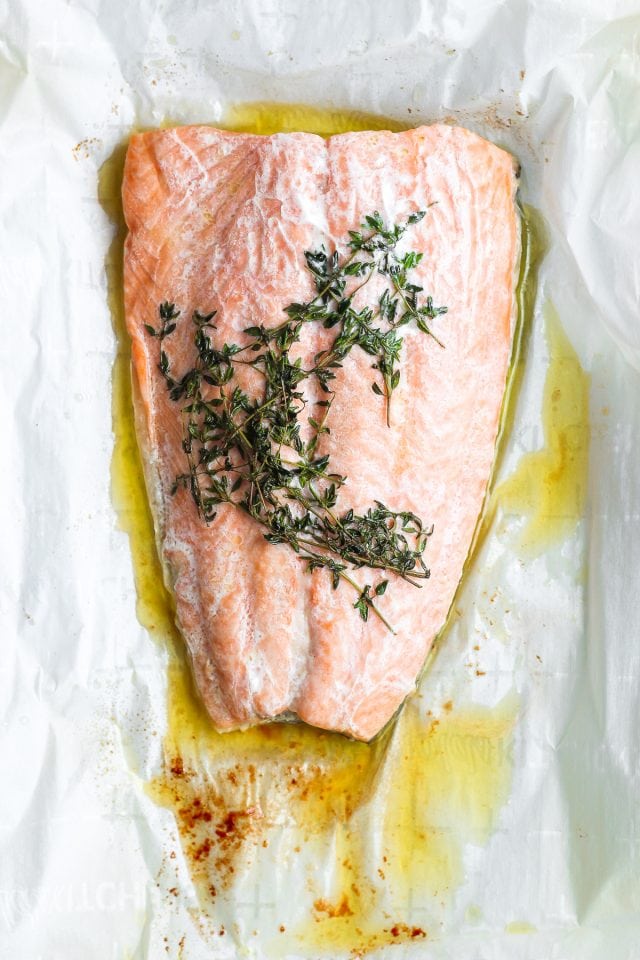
(520, 927)
(549, 486)
(388, 820)
(440, 786)
(459, 771)
(267, 118)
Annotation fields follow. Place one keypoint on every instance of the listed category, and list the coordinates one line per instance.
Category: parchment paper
(82, 687)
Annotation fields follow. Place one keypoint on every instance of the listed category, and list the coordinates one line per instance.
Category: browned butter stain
(424, 788)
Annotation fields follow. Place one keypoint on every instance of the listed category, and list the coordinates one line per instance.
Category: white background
(556, 83)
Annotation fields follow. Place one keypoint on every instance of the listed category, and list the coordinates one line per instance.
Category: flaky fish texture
(220, 220)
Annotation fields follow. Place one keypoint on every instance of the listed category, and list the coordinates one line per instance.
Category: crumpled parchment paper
(82, 686)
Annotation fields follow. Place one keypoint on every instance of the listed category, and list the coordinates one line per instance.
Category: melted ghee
(435, 784)
(549, 486)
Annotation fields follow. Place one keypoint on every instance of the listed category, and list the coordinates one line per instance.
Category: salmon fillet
(220, 220)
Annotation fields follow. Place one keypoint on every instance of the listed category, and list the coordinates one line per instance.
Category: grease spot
(549, 486)
(520, 927)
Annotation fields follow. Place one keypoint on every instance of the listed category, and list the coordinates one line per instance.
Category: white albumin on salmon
(221, 220)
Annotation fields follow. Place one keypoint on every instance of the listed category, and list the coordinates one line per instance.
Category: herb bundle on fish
(249, 450)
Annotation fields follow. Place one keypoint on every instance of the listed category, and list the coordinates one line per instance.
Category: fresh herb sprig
(250, 451)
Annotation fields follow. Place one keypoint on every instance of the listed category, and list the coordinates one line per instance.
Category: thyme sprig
(250, 451)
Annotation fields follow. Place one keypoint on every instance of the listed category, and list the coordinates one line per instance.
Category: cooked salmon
(220, 221)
